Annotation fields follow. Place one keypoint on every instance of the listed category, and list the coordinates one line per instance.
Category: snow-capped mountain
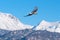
(49, 26)
(12, 29)
(10, 22)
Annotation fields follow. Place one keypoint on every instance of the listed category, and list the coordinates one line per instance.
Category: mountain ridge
(10, 22)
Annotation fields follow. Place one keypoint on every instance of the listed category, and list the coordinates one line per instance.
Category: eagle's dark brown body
(33, 12)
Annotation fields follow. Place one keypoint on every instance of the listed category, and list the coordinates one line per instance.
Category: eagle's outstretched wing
(33, 12)
(28, 15)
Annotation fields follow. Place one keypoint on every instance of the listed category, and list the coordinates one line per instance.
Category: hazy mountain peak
(10, 22)
(49, 26)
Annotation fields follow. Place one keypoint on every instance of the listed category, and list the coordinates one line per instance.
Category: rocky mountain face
(43, 35)
(28, 34)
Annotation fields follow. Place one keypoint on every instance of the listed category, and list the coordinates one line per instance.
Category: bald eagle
(33, 12)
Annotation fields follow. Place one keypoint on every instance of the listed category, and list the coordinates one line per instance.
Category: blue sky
(48, 10)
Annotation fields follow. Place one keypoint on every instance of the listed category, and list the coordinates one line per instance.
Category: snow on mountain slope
(10, 22)
(49, 26)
